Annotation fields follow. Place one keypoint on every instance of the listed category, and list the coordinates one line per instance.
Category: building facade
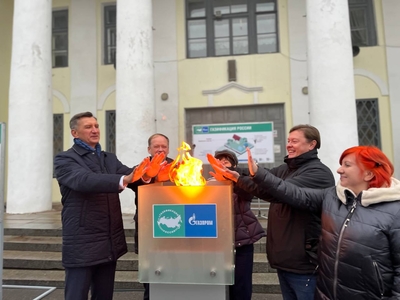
(149, 66)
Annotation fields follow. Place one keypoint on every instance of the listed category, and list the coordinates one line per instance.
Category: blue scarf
(82, 144)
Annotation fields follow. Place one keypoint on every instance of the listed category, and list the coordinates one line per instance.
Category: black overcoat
(92, 227)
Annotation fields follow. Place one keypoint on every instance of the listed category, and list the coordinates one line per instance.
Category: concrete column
(135, 106)
(166, 71)
(83, 56)
(331, 78)
(392, 37)
(30, 128)
(298, 60)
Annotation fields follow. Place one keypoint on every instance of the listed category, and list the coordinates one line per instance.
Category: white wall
(391, 9)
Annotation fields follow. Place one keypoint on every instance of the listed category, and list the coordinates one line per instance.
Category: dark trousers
(297, 286)
(99, 279)
(242, 289)
(146, 295)
(136, 233)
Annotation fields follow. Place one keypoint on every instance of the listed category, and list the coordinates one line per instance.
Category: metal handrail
(260, 208)
(49, 289)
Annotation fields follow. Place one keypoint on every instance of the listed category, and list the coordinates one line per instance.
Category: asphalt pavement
(58, 294)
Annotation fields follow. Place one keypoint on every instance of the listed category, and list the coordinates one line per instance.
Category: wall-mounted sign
(259, 137)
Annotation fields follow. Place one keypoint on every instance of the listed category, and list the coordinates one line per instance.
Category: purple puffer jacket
(247, 228)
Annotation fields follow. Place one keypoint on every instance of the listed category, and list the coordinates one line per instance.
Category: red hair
(373, 159)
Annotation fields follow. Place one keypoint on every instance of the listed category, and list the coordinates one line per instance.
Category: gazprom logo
(192, 221)
(185, 221)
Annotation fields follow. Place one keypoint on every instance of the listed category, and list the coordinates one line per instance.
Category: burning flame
(186, 170)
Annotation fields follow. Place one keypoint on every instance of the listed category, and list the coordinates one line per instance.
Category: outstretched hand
(155, 165)
(138, 172)
(220, 171)
(163, 174)
(253, 168)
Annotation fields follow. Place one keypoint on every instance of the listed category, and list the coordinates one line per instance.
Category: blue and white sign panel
(201, 220)
(185, 221)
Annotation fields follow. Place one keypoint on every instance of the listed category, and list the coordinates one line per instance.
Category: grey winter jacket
(92, 227)
(359, 251)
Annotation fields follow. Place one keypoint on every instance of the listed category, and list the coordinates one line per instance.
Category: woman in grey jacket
(359, 253)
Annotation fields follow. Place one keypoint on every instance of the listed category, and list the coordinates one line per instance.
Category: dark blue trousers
(242, 289)
(297, 286)
(99, 279)
(146, 294)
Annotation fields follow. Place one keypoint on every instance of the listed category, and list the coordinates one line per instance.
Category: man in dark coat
(93, 234)
(158, 144)
(292, 233)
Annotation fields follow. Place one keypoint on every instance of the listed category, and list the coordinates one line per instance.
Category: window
(231, 27)
(110, 130)
(58, 134)
(362, 23)
(368, 122)
(59, 43)
(110, 34)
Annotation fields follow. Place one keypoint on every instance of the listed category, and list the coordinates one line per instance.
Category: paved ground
(58, 294)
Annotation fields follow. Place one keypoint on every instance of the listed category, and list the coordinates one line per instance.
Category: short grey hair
(73, 123)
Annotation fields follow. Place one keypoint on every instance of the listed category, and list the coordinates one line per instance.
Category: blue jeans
(297, 286)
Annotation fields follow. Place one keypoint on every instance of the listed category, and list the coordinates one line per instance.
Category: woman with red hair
(359, 250)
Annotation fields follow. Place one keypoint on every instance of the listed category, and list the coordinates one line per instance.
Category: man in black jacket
(158, 145)
(293, 234)
(93, 234)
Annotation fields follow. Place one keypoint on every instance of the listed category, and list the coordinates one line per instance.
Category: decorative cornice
(231, 85)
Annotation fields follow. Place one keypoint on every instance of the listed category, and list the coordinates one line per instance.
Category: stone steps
(265, 283)
(44, 260)
(32, 255)
(36, 261)
(22, 242)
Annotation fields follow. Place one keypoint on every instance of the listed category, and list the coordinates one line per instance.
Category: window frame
(111, 119)
(371, 32)
(58, 135)
(54, 31)
(367, 124)
(106, 9)
(252, 36)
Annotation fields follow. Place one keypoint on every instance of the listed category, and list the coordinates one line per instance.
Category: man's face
(297, 144)
(158, 144)
(88, 131)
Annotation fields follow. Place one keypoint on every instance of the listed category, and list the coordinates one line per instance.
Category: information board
(235, 137)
